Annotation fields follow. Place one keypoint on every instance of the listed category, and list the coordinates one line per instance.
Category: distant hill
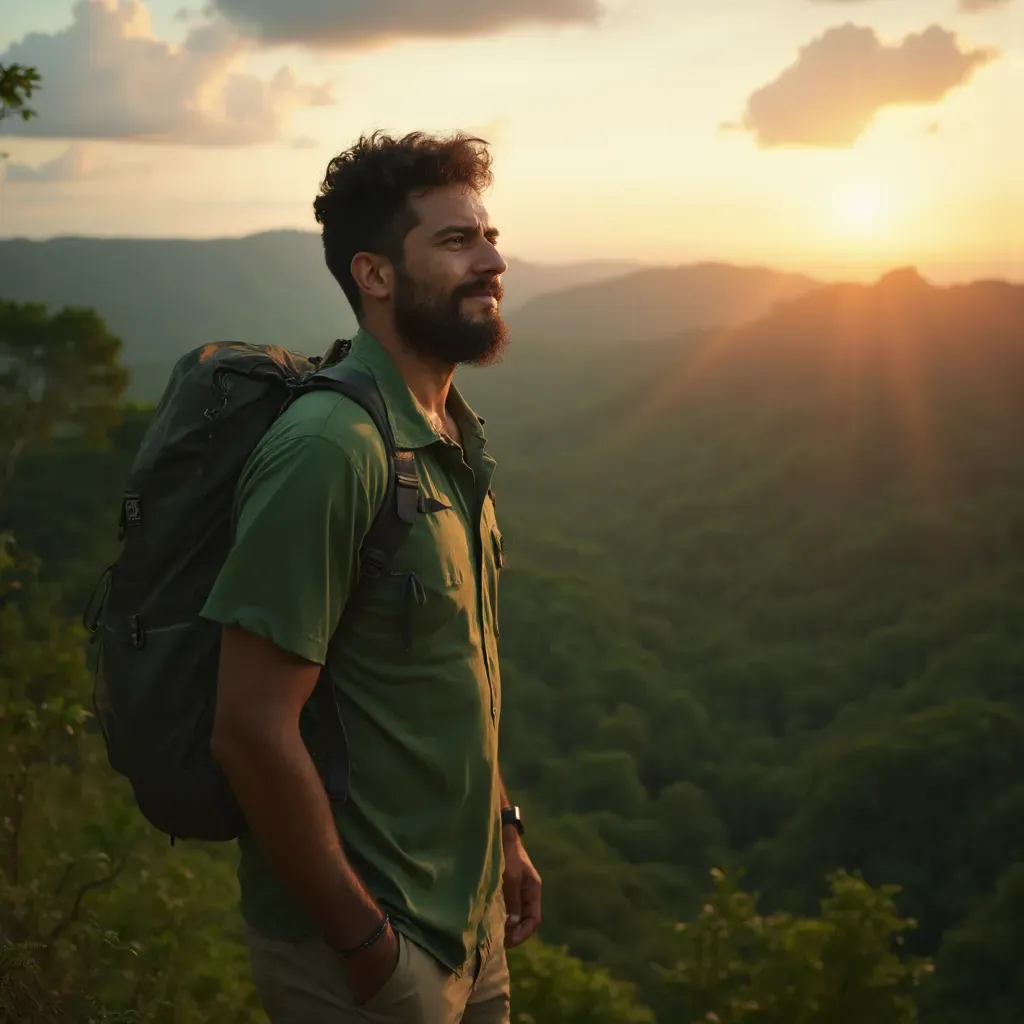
(576, 340)
(163, 296)
(657, 302)
(899, 346)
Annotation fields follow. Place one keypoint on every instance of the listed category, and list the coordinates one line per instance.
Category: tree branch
(13, 866)
(64, 878)
(83, 890)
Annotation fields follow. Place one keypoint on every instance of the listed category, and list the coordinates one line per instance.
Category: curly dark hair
(363, 199)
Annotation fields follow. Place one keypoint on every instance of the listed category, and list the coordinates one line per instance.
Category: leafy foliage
(735, 966)
(979, 964)
(763, 610)
(91, 901)
(17, 83)
(550, 986)
(57, 373)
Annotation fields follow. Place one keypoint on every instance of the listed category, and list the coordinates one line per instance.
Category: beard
(432, 323)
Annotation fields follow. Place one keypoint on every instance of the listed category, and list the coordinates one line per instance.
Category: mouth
(486, 294)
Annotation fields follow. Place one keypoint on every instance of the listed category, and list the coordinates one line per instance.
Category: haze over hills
(164, 296)
(566, 342)
(657, 302)
(901, 335)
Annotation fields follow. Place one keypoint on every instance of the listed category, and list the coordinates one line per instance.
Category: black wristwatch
(512, 816)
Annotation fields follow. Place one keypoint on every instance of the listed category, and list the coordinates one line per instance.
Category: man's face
(448, 292)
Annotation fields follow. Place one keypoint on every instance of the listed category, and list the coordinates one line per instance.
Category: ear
(373, 275)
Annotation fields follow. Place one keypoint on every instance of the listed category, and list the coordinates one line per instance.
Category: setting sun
(861, 207)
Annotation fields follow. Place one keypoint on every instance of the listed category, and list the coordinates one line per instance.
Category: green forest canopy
(763, 612)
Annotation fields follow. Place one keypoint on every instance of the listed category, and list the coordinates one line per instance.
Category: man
(398, 905)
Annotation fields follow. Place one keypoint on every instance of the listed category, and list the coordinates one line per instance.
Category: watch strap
(512, 816)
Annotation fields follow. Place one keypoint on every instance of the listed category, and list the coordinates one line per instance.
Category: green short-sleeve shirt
(416, 678)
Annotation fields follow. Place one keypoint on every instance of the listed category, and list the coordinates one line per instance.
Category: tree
(17, 83)
(875, 803)
(549, 986)
(58, 374)
(979, 969)
(734, 966)
(92, 900)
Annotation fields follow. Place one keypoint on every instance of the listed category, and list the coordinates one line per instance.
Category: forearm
(289, 815)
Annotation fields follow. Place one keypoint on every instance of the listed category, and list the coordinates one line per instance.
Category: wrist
(377, 936)
(511, 822)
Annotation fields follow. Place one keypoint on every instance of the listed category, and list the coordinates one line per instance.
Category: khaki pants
(304, 983)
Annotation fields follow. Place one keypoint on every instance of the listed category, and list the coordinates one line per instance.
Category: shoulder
(333, 418)
(327, 436)
(327, 420)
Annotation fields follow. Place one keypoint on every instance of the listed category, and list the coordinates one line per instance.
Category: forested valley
(763, 647)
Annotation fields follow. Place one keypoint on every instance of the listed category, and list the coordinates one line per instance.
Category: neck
(428, 379)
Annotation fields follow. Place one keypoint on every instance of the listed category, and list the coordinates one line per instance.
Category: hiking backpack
(156, 658)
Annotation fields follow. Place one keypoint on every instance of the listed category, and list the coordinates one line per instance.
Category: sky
(840, 138)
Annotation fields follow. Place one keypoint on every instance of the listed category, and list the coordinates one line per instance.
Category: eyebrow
(466, 229)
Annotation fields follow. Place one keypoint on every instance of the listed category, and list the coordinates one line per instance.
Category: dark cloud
(76, 163)
(354, 23)
(105, 76)
(830, 95)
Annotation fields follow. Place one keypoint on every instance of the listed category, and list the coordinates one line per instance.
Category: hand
(522, 891)
(370, 969)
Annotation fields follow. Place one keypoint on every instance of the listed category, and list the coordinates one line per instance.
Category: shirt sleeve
(302, 510)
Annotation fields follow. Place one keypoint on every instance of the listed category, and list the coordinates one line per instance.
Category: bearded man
(397, 905)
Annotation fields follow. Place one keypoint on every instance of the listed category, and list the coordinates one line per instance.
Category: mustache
(482, 286)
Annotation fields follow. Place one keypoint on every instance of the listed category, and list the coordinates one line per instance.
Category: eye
(457, 239)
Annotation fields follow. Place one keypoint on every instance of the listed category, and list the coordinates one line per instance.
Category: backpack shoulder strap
(385, 536)
(397, 514)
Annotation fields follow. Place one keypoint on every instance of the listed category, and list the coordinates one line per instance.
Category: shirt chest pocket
(428, 593)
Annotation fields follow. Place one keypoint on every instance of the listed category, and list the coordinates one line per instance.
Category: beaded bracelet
(370, 939)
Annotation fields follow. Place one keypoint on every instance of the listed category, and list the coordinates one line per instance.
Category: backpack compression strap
(386, 535)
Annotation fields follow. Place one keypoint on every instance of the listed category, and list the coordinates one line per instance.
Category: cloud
(355, 23)
(830, 95)
(106, 76)
(981, 5)
(76, 163)
(970, 6)
(965, 5)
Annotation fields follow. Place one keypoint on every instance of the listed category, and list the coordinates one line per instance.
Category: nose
(491, 263)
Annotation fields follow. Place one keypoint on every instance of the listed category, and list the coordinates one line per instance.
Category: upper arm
(260, 686)
(304, 504)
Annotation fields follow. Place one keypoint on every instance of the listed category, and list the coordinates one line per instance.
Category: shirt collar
(409, 422)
